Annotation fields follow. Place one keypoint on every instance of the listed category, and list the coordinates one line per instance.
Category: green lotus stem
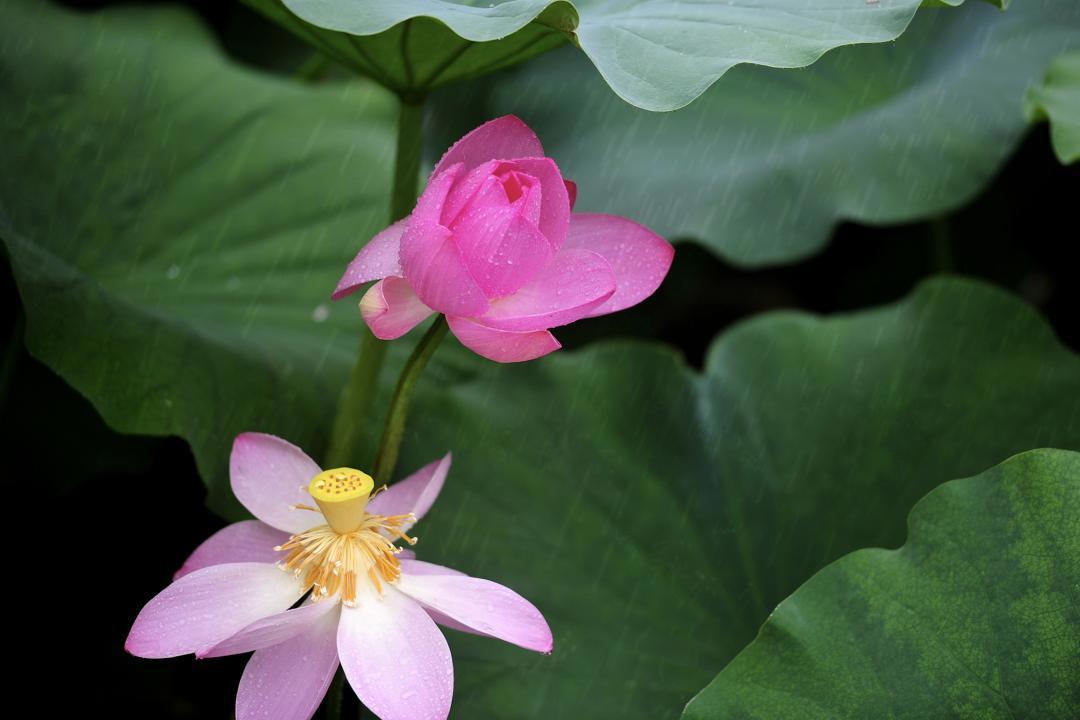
(386, 458)
(312, 68)
(354, 405)
(407, 158)
(355, 401)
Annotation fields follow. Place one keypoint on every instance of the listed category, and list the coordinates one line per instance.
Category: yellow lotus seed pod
(342, 495)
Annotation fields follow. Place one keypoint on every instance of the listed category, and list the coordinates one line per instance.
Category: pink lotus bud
(493, 245)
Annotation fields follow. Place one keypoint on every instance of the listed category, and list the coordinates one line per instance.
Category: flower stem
(312, 68)
(407, 158)
(356, 397)
(355, 400)
(390, 444)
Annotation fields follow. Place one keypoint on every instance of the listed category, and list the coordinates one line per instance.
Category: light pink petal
(419, 567)
(502, 345)
(269, 476)
(406, 554)
(395, 658)
(501, 246)
(288, 681)
(639, 257)
(554, 218)
(416, 567)
(571, 192)
(391, 309)
(486, 607)
(415, 494)
(448, 622)
(245, 541)
(376, 260)
(272, 629)
(567, 289)
(431, 262)
(503, 138)
(201, 609)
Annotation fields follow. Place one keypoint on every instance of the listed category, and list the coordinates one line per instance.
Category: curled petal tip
(379, 258)
(391, 308)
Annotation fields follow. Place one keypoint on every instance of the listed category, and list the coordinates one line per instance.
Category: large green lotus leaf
(766, 162)
(657, 515)
(176, 223)
(421, 53)
(1057, 99)
(655, 54)
(977, 616)
(956, 3)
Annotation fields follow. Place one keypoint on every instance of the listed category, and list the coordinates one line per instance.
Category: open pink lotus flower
(369, 605)
(493, 245)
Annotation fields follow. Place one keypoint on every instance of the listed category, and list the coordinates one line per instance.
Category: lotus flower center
(352, 544)
(515, 184)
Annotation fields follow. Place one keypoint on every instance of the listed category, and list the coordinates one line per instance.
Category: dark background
(97, 556)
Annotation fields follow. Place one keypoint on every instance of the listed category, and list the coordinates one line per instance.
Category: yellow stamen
(342, 494)
(329, 561)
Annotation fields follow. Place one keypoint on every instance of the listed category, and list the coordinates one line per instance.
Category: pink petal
(415, 494)
(467, 188)
(416, 567)
(272, 630)
(567, 289)
(444, 283)
(571, 192)
(448, 622)
(431, 262)
(376, 260)
(245, 541)
(269, 476)
(419, 567)
(503, 138)
(501, 247)
(429, 207)
(639, 257)
(554, 219)
(486, 607)
(288, 681)
(391, 309)
(201, 609)
(395, 658)
(502, 345)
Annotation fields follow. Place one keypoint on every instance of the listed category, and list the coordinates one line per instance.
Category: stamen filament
(329, 561)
